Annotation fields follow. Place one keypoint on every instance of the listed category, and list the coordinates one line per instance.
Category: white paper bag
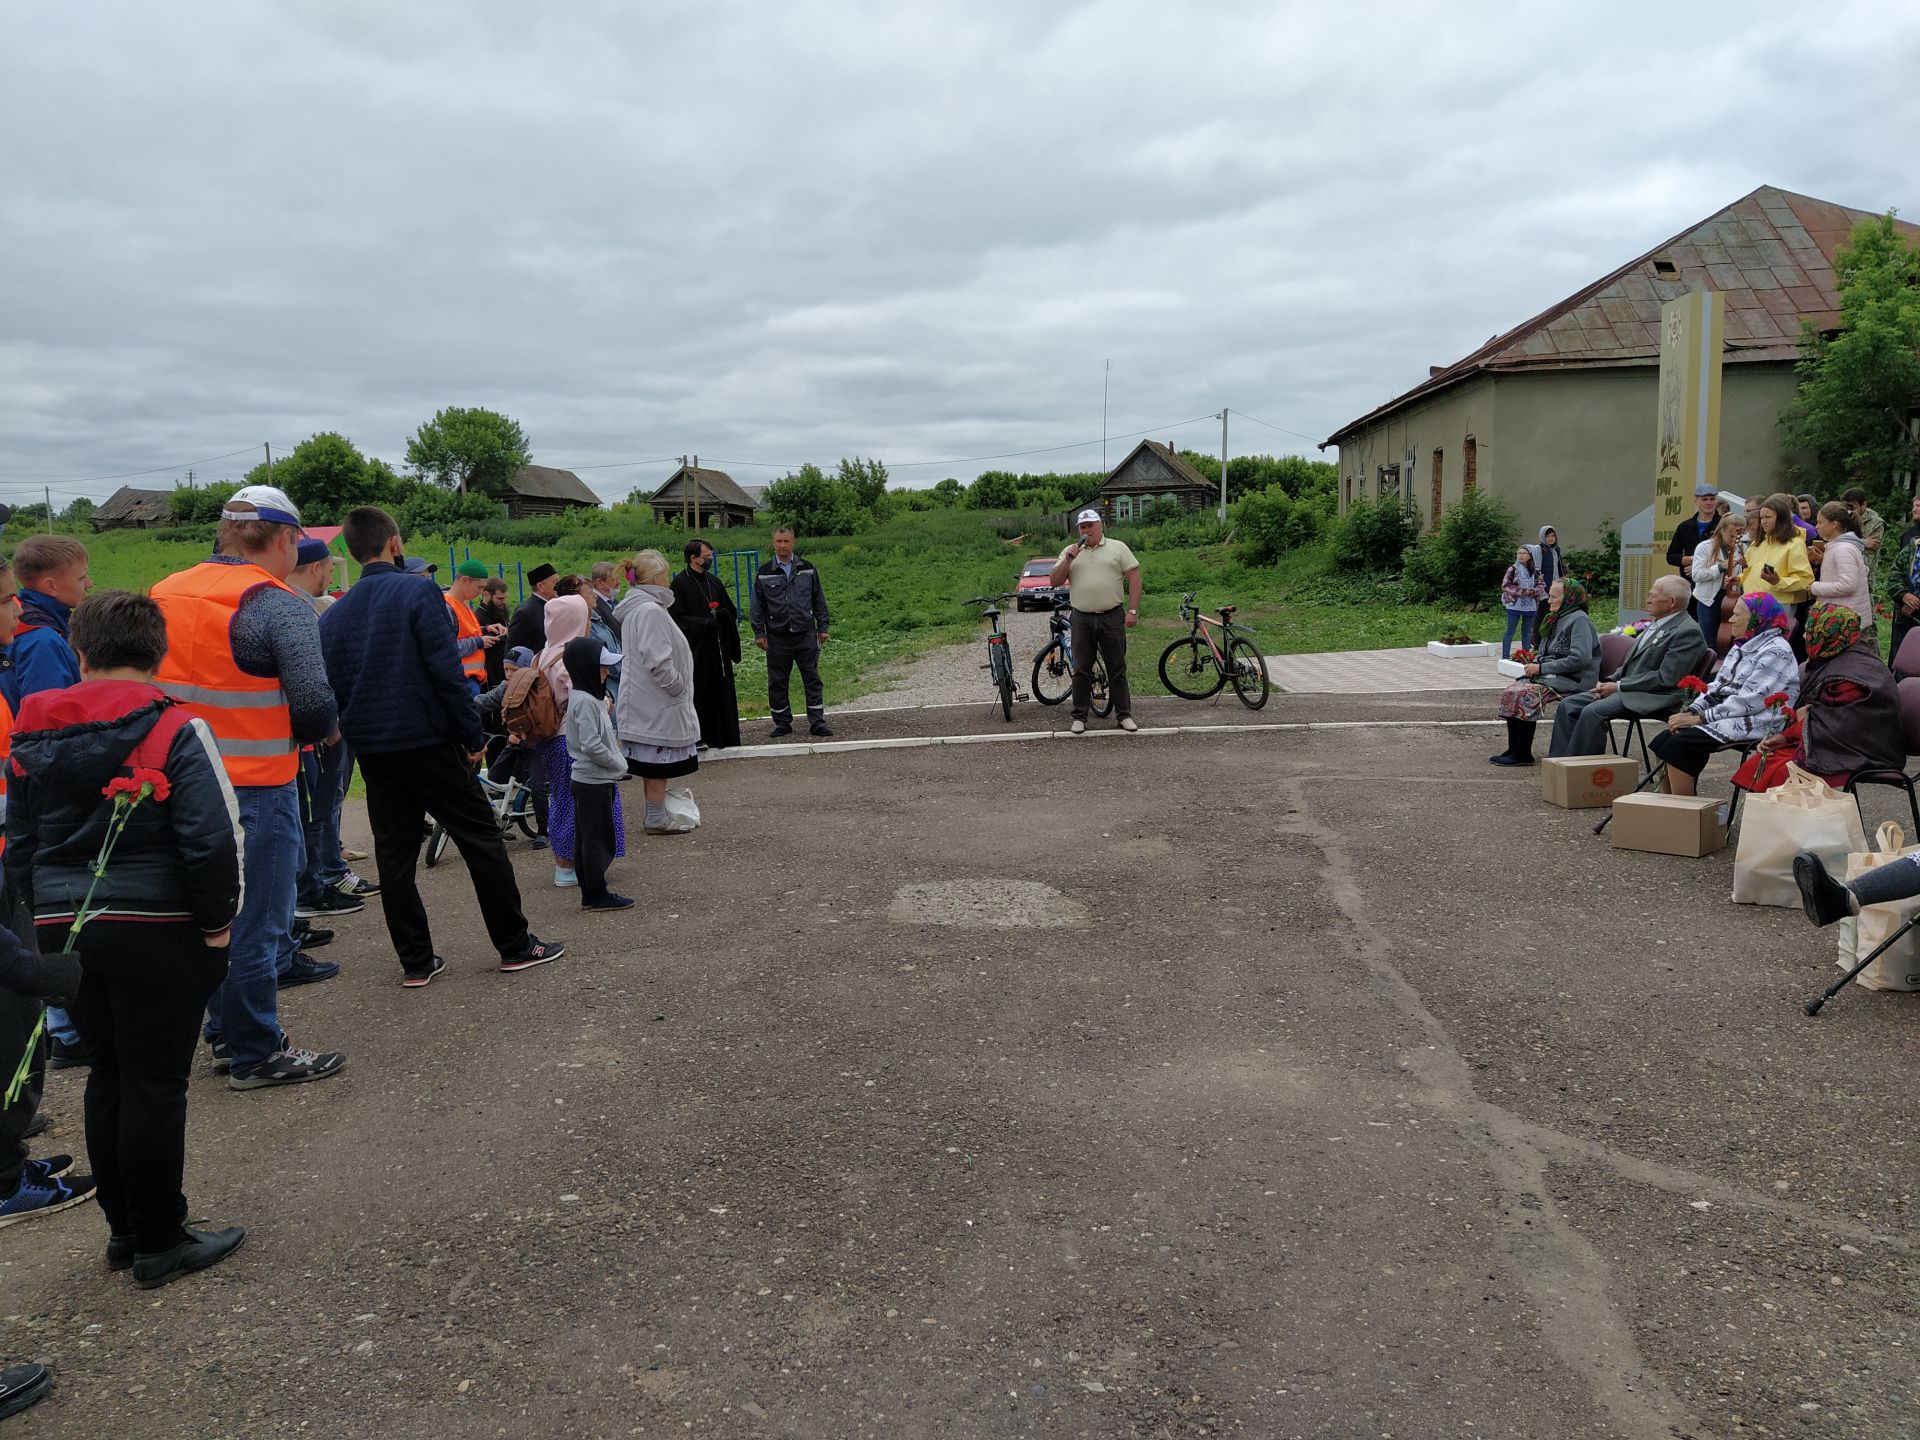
(682, 805)
(1899, 967)
(1801, 813)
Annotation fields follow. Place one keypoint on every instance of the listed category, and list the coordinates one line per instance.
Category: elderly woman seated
(1849, 720)
(1566, 661)
(1735, 709)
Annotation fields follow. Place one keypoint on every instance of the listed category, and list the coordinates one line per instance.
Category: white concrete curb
(921, 742)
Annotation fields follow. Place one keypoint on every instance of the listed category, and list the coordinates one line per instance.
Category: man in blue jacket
(408, 711)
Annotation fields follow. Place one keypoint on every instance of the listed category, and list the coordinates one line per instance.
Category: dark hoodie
(178, 858)
(592, 743)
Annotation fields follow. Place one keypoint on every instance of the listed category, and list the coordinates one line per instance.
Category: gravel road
(955, 673)
(1303, 1084)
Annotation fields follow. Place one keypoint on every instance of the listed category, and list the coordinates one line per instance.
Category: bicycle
(999, 658)
(1188, 664)
(512, 806)
(1053, 666)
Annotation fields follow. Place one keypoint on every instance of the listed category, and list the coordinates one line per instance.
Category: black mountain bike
(999, 658)
(1053, 666)
(1194, 668)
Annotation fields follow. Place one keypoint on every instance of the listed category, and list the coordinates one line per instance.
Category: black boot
(1824, 898)
(196, 1250)
(1519, 749)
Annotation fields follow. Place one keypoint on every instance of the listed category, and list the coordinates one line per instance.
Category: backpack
(527, 708)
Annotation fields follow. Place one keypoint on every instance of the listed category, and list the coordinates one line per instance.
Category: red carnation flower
(1778, 700)
(162, 786)
(1693, 684)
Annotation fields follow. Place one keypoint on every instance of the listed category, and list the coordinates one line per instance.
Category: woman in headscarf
(1849, 720)
(705, 613)
(1566, 662)
(566, 619)
(655, 717)
(1546, 556)
(1746, 701)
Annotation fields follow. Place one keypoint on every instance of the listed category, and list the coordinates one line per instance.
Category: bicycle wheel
(1100, 701)
(1052, 675)
(436, 844)
(1249, 669)
(1003, 677)
(1187, 669)
(528, 822)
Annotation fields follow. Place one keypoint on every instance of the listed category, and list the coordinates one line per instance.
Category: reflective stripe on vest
(248, 714)
(466, 626)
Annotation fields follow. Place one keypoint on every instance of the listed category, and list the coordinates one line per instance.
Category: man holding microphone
(1096, 570)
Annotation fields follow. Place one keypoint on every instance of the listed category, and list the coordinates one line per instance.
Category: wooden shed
(542, 490)
(131, 509)
(1153, 472)
(713, 494)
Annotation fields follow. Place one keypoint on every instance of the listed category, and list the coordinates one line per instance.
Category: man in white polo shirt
(1096, 571)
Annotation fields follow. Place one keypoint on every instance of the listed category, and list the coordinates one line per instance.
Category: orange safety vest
(248, 714)
(466, 626)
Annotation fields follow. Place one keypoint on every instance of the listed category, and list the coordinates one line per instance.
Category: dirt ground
(1265, 1083)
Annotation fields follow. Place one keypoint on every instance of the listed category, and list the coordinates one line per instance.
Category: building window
(1123, 508)
(1439, 471)
(1470, 466)
(1347, 481)
(1389, 477)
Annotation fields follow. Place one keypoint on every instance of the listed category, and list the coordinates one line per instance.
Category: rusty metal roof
(1770, 253)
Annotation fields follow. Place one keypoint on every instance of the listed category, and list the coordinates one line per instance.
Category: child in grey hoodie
(598, 765)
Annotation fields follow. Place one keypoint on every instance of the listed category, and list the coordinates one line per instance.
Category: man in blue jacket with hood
(408, 711)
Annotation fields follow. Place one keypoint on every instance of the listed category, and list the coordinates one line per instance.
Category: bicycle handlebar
(989, 599)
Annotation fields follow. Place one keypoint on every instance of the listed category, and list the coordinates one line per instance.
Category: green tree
(200, 505)
(814, 505)
(1270, 522)
(80, 512)
(868, 481)
(325, 476)
(1857, 386)
(1465, 555)
(949, 493)
(463, 450)
(994, 490)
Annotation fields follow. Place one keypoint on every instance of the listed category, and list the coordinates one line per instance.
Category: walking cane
(1812, 1007)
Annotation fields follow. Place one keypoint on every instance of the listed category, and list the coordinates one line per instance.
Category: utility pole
(696, 494)
(48, 492)
(686, 479)
(269, 449)
(1106, 375)
(1223, 464)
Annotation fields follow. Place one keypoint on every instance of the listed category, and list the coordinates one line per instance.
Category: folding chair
(1909, 692)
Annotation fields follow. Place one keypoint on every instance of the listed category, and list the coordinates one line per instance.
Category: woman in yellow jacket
(1777, 562)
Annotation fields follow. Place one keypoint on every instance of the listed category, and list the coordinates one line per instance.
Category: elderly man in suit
(1666, 650)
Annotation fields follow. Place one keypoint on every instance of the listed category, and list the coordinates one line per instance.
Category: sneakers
(420, 979)
(349, 857)
(286, 1067)
(608, 901)
(328, 902)
(1078, 727)
(354, 888)
(778, 731)
(305, 937)
(306, 970)
(819, 730)
(49, 1167)
(197, 1250)
(1126, 724)
(22, 1386)
(38, 1195)
(222, 1054)
(538, 952)
(76, 1056)
(1824, 898)
(674, 825)
(565, 879)
(1505, 758)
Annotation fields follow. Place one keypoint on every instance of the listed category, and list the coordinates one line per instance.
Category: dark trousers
(1582, 724)
(1106, 632)
(784, 652)
(592, 837)
(18, 1013)
(143, 988)
(403, 788)
(1902, 623)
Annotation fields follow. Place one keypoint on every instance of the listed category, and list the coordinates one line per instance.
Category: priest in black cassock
(707, 616)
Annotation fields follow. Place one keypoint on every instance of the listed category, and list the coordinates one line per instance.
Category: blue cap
(520, 657)
(312, 551)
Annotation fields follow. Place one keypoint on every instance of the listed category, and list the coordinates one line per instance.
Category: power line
(130, 474)
(1271, 426)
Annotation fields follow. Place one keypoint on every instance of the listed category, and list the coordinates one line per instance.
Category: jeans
(1102, 633)
(1707, 613)
(244, 1011)
(785, 651)
(142, 988)
(323, 774)
(403, 788)
(1526, 622)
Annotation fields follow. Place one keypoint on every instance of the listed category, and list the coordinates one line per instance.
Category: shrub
(1270, 523)
(1467, 553)
(815, 505)
(1372, 536)
(447, 513)
(1598, 566)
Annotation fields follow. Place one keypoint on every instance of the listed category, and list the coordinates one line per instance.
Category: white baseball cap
(1087, 517)
(269, 502)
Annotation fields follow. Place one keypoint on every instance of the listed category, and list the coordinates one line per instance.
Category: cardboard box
(1691, 825)
(1587, 782)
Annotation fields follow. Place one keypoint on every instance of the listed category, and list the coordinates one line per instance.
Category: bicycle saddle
(1228, 609)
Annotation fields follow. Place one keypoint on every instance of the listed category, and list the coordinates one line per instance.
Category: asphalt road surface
(1272, 1083)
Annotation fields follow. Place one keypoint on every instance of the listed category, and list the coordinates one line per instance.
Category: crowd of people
(1781, 660)
(174, 767)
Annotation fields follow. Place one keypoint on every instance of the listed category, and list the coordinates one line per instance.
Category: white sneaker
(1079, 727)
(1126, 724)
(674, 825)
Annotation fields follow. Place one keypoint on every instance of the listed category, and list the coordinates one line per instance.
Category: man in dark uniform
(1688, 534)
(789, 616)
(529, 624)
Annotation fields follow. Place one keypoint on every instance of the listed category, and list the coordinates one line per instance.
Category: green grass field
(897, 590)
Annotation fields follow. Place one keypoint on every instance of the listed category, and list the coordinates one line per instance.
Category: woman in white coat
(1713, 562)
(1845, 577)
(654, 715)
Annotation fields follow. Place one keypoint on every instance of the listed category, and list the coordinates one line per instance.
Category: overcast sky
(792, 232)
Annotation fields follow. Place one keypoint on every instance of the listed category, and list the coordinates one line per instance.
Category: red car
(1036, 590)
